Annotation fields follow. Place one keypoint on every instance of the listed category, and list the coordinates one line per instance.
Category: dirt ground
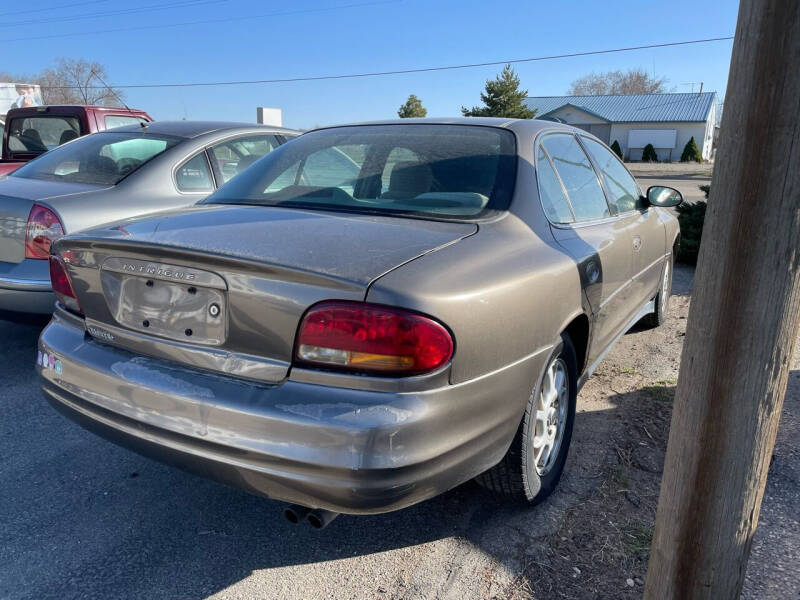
(674, 169)
(600, 546)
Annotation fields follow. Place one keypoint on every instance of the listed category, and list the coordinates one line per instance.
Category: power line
(110, 13)
(203, 22)
(405, 71)
(49, 8)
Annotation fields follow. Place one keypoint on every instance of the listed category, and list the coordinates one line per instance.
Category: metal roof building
(667, 121)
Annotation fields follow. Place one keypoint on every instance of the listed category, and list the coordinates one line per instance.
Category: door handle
(637, 243)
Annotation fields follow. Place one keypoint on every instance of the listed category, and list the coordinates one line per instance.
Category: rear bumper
(346, 450)
(26, 296)
(25, 287)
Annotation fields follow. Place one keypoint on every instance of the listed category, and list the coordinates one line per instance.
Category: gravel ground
(84, 519)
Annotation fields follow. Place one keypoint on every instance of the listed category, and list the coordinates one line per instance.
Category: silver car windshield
(427, 170)
(101, 158)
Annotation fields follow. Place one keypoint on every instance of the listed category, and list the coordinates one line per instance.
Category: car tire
(518, 477)
(659, 316)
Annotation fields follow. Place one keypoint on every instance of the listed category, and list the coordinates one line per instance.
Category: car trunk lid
(224, 287)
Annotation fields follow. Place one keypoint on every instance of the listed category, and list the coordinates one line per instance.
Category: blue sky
(323, 37)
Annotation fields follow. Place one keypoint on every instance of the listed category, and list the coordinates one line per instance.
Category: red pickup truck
(32, 131)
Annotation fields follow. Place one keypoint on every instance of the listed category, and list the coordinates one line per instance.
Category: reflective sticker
(52, 361)
(45, 360)
(58, 367)
(39, 358)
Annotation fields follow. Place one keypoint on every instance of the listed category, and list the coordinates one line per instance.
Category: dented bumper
(343, 449)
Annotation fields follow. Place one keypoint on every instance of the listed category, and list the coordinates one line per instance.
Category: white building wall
(702, 132)
(708, 143)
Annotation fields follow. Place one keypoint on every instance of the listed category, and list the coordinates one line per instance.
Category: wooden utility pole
(742, 324)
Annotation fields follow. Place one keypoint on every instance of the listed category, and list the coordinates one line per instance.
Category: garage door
(660, 138)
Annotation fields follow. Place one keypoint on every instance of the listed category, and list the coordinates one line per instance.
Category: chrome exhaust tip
(295, 513)
(321, 518)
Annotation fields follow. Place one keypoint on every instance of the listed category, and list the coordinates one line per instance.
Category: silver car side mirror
(659, 195)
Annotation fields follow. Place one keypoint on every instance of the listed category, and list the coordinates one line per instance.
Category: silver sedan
(110, 176)
(370, 316)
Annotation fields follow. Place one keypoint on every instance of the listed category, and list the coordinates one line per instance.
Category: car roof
(193, 129)
(527, 126)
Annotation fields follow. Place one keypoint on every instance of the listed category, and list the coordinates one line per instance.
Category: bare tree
(77, 81)
(632, 81)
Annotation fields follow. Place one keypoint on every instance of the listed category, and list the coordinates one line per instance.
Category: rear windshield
(441, 171)
(37, 135)
(100, 158)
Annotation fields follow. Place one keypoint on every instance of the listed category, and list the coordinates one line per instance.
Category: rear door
(647, 230)
(584, 224)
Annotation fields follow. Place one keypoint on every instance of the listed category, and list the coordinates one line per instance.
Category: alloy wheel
(551, 416)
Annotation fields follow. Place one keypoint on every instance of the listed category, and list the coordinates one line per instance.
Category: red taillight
(62, 286)
(356, 336)
(43, 229)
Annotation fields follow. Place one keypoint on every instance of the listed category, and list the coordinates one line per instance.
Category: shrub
(691, 216)
(691, 153)
(649, 154)
(616, 148)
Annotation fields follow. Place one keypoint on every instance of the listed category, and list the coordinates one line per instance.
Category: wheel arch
(578, 330)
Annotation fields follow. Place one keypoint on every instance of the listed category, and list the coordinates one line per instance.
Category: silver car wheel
(551, 416)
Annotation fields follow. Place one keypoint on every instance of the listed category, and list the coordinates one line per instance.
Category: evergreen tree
(616, 148)
(412, 108)
(649, 154)
(691, 153)
(502, 98)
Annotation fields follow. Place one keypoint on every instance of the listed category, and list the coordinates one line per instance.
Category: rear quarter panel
(505, 293)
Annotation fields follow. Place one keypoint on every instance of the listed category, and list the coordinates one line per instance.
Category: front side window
(37, 135)
(234, 156)
(621, 186)
(194, 175)
(442, 171)
(554, 201)
(101, 158)
(112, 121)
(580, 180)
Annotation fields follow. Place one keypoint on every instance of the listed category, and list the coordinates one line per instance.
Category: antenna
(694, 83)
(110, 89)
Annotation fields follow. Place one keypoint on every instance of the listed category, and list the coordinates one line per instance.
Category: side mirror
(659, 195)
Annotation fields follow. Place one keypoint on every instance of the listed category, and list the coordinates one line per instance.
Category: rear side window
(194, 175)
(36, 135)
(234, 156)
(112, 121)
(621, 186)
(554, 201)
(580, 180)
